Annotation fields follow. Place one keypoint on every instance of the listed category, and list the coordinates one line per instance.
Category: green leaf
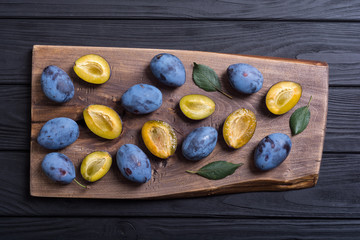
(300, 119)
(206, 78)
(217, 170)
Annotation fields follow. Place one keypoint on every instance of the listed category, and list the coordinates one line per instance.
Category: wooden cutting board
(169, 179)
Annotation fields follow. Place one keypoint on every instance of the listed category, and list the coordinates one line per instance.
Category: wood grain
(342, 130)
(129, 67)
(339, 102)
(180, 228)
(188, 9)
(320, 41)
(15, 123)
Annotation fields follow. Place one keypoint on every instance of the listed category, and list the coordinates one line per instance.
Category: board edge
(299, 61)
(245, 187)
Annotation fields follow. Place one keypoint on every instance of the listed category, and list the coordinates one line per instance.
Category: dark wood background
(321, 30)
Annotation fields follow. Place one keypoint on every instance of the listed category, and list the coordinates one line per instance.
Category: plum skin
(168, 69)
(142, 99)
(56, 84)
(272, 151)
(199, 143)
(245, 78)
(133, 163)
(58, 133)
(58, 167)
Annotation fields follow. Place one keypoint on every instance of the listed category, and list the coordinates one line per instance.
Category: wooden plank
(320, 41)
(210, 9)
(179, 228)
(129, 67)
(334, 196)
(338, 124)
(15, 124)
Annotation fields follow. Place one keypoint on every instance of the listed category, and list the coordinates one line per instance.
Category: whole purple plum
(58, 167)
(56, 84)
(199, 143)
(142, 99)
(245, 78)
(272, 150)
(168, 69)
(133, 163)
(58, 133)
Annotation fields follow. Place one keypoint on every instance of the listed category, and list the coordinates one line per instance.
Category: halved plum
(92, 68)
(95, 165)
(283, 96)
(103, 121)
(160, 138)
(239, 127)
(196, 106)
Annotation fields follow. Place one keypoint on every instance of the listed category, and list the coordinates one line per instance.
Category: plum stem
(224, 93)
(191, 171)
(309, 102)
(81, 185)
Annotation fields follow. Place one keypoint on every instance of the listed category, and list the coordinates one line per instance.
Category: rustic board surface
(169, 179)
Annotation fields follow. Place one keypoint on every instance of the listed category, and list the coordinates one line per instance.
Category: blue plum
(168, 69)
(142, 99)
(245, 78)
(272, 151)
(56, 84)
(199, 143)
(58, 133)
(133, 163)
(58, 167)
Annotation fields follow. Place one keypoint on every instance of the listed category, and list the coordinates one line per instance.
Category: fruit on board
(142, 99)
(283, 96)
(58, 167)
(245, 78)
(239, 127)
(133, 163)
(168, 69)
(103, 121)
(272, 151)
(197, 106)
(58, 133)
(56, 84)
(95, 165)
(92, 68)
(160, 138)
(199, 143)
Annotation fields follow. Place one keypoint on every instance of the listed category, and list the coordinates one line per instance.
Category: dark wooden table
(316, 30)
